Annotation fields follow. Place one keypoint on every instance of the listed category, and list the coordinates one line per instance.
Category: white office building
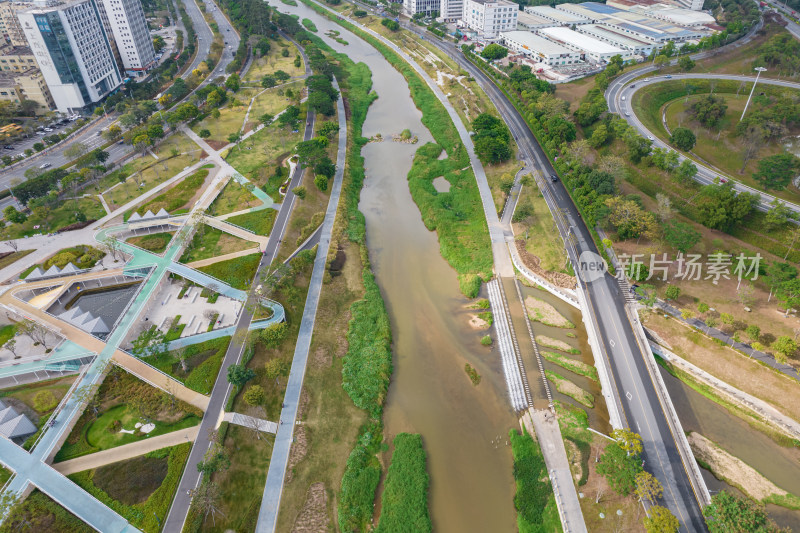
(490, 17)
(540, 49)
(73, 52)
(412, 7)
(451, 10)
(129, 29)
(594, 48)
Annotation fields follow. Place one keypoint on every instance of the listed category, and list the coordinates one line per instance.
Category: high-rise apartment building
(28, 85)
(128, 26)
(451, 10)
(9, 23)
(490, 17)
(73, 52)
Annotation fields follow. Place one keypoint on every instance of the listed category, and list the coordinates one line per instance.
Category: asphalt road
(635, 389)
(705, 175)
(219, 394)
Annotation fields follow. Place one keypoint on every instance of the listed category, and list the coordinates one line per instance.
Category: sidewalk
(127, 451)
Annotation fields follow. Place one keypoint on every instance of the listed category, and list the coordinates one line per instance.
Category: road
(90, 136)
(786, 14)
(706, 175)
(635, 388)
(219, 394)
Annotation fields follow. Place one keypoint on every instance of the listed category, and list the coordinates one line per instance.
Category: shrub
(254, 395)
(44, 401)
(300, 191)
(321, 182)
(405, 496)
(702, 307)
(486, 340)
(273, 336)
(673, 292)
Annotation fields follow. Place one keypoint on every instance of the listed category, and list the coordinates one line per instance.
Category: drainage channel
(535, 348)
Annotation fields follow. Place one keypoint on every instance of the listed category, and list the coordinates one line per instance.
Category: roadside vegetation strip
(237, 272)
(572, 365)
(404, 503)
(149, 514)
(534, 500)
(565, 386)
(541, 311)
(457, 216)
(14, 257)
(39, 508)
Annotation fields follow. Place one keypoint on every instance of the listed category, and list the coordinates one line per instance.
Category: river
(464, 427)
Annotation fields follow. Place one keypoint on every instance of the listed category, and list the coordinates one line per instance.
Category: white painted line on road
(629, 396)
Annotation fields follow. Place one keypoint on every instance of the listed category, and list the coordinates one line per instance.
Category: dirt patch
(476, 322)
(217, 145)
(543, 312)
(575, 463)
(441, 184)
(119, 481)
(313, 516)
(559, 279)
(732, 469)
(298, 451)
(555, 343)
(321, 357)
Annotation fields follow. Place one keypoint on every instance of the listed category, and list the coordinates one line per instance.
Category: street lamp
(759, 70)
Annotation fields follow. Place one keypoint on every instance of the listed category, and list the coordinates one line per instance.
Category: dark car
(553, 178)
(8, 147)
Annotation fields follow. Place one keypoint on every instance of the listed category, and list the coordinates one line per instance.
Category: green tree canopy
(733, 514)
(776, 171)
(709, 110)
(721, 208)
(683, 139)
(680, 235)
(494, 51)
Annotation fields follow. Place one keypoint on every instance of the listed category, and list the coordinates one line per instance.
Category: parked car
(553, 178)
(44, 165)
(8, 147)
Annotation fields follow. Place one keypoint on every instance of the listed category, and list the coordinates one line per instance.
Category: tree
(141, 143)
(683, 139)
(14, 245)
(494, 51)
(619, 469)
(34, 331)
(254, 395)
(660, 61)
(204, 134)
(628, 440)
(239, 374)
(75, 150)
(255, 416)
(673, 292)
(206, 498)
(784, 347)
(648, 487)
(709, 110)
(777, 171)
(686, 63)
(663, 207)
(778, 215)
(266, 119)
(629, 220)
(660, 520)
(638, 147)
(753, 332)
(276, 368)
(300, 191)
(680, 235)
(733, 514)
(12, 215)
(11, 346)
(686, 171)
(150, 342)
(290, 117)
(158, 43)
(233, 82)
(789, 293)
(721, 208)
(599, 136)
(391, 24)
(112, 247)
(268, 81)
(778, 273)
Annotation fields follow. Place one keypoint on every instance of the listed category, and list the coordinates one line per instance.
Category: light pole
(759, 70)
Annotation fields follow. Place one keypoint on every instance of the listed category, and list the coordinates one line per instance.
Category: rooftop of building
(561, 16)
(630, 20)
(530, 18)
(611, 33)
(11, 50)
(580, 40)
(8, 77)
(536, 43)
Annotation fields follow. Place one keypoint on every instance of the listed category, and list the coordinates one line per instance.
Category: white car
(44, 165)
(650, 138)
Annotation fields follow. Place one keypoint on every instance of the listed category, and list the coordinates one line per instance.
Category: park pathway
(127, 451)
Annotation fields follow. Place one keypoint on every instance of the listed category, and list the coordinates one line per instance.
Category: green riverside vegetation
(572, 365)
(534, 500)
(404, 503)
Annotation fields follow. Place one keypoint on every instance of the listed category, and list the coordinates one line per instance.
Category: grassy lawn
(177, 197)
(274, 61)
(720, 148)
(56, 218)
(494, 173)
(230, 120)
(234, 197)
(7, 332)
(149, 174)
(237, 272)
(259, 222)
(121, 401)
(13, 257)
(242, 484)
(273, 103)
(212, 242)
(155, 242)
(203, 361)
(140, 489)
(543, 239)
(46, 514)
(23, 399)
(534, 501)
(258, 156)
